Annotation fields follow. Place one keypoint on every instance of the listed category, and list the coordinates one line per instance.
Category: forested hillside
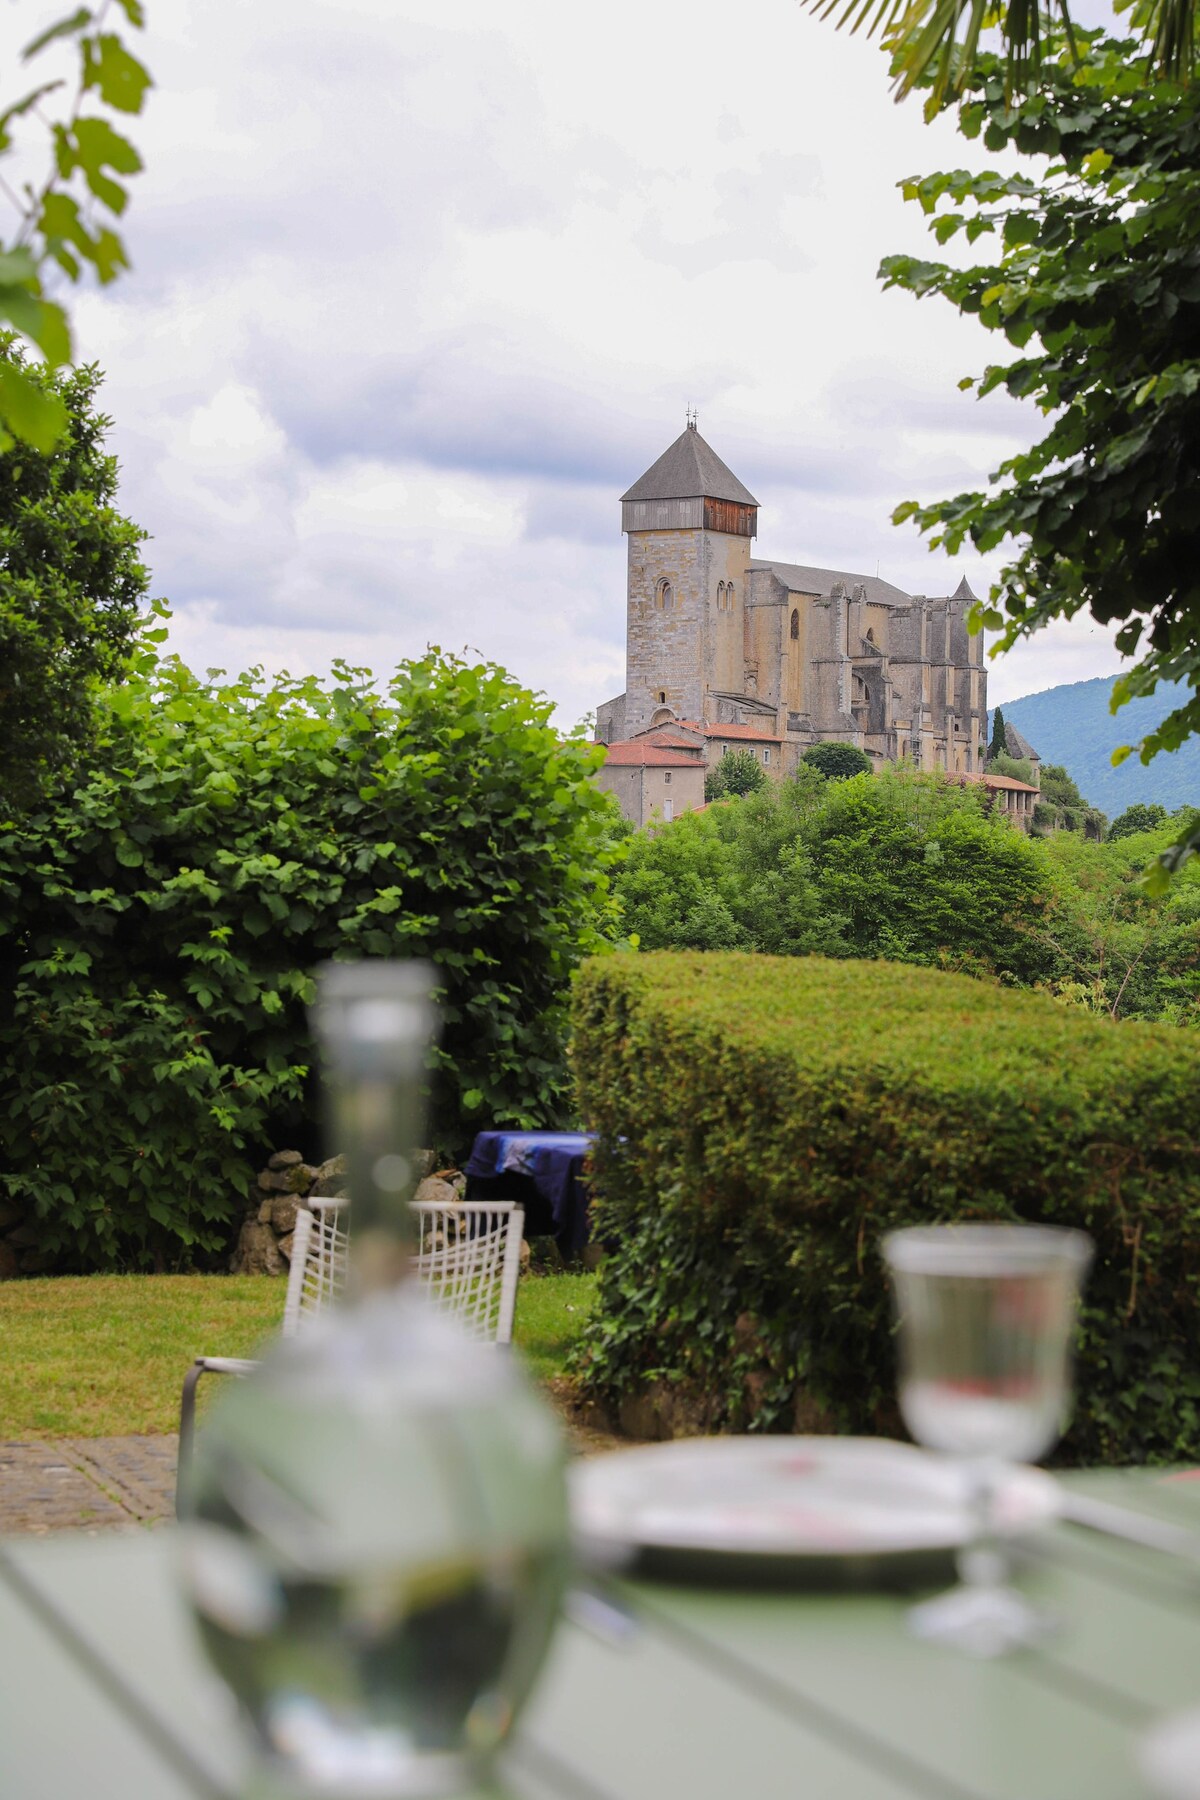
(1072, 725)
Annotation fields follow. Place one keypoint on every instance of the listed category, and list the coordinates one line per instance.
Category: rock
(9, 1215)
(433, 1191)
(299, 1178)
(9, 1265)
(257, 1252)
(423, 1161)
(330, 1179)
(276, 1181)
(284, 1159)
(264, 1212)
(283, 1214)
(284, 1246)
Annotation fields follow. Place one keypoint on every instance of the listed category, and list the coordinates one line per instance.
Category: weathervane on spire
(691, 418)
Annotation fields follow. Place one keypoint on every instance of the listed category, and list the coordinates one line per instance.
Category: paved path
(86, 1484)
(120, 1483)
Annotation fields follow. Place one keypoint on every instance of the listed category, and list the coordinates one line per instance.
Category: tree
(159, 924)
(1095, 282)
(66, 219)
(999, 743)
(1058, 788)
(71, 583)
(928, 50)
(1136, 818)
(837, 762)
(740, 772)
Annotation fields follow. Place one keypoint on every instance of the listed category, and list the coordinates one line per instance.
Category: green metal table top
(711, 1694)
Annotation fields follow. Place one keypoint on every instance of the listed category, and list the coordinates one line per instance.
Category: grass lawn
(104, 1355)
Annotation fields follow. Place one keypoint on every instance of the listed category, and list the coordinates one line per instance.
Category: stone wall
(264, 1245)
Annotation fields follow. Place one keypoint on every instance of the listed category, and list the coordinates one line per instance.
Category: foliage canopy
(160, 918)
(1094, 280)
(71, 583)
(837, 762)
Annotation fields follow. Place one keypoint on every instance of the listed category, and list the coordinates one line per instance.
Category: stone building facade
(791, 654)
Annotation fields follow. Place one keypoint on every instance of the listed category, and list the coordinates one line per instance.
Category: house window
(664, 596)
(668, 811)
(795, 622)
(766, 759)
(667, 778)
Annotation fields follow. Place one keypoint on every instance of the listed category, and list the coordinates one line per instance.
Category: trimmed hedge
(763, 1121)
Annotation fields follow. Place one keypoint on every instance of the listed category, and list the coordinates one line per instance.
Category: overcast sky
(422, 285)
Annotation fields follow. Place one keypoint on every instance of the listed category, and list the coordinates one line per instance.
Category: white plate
(800, 1499)
(1170, 1756)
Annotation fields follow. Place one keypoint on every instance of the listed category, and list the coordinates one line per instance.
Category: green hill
(1072, 725)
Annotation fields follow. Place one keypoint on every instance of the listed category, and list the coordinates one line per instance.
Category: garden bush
(161, 915)
(764, 1121)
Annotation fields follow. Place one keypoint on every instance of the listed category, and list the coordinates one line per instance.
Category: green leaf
(28, 412)
(70, 26)
(119, 78)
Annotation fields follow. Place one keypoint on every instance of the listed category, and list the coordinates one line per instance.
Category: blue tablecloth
(553, 1162)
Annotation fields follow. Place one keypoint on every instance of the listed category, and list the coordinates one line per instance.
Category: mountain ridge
(1071, 724)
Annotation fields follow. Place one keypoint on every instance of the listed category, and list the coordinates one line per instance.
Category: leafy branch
(66, 223)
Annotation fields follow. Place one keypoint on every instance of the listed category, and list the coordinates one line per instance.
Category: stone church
(732, 648)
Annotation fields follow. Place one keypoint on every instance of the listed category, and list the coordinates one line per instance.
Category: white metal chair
(468, 1256)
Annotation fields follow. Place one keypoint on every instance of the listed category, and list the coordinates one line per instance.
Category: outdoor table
(710, 1694)
(545, 1166)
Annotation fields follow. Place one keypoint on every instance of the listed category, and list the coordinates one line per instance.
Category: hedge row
(763, 1122)
(161, 915)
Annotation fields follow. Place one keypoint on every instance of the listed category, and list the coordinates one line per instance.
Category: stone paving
(123, 1483)
(86, 1484)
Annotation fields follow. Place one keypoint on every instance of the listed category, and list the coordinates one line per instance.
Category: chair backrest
(318, 1269)
(468, 1256)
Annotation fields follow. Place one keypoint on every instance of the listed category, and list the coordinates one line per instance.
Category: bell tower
(690, 524)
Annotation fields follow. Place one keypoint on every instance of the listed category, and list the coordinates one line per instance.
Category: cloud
(419, 292)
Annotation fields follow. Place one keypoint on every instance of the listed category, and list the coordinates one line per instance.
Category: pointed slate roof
(690, 470)
(1017, 745)
(963, 591)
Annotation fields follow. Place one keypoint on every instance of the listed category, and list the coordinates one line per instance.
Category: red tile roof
(741, 731)
(995, 781)
(649, 756)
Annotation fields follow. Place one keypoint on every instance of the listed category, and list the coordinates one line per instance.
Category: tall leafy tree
(71, 585)
(1094, 281)
(999, 743)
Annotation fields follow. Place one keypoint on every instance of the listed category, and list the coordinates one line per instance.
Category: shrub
(738, 772)
(159, 922)
(764, 1121)
(837, 762)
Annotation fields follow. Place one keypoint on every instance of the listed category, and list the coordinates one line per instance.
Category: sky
(421, 286)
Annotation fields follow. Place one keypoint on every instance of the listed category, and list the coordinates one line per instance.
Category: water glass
(986, 1318)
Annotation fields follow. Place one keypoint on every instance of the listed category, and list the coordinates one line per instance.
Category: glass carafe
(376, 1538)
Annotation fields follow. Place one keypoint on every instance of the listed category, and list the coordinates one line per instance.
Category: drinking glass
(986, 1317)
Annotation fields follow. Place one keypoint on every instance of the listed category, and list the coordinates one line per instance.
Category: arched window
(662, 699)
(870, 635)
(664, 595)
(720, 596)
(729, 597)
(795, 622)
